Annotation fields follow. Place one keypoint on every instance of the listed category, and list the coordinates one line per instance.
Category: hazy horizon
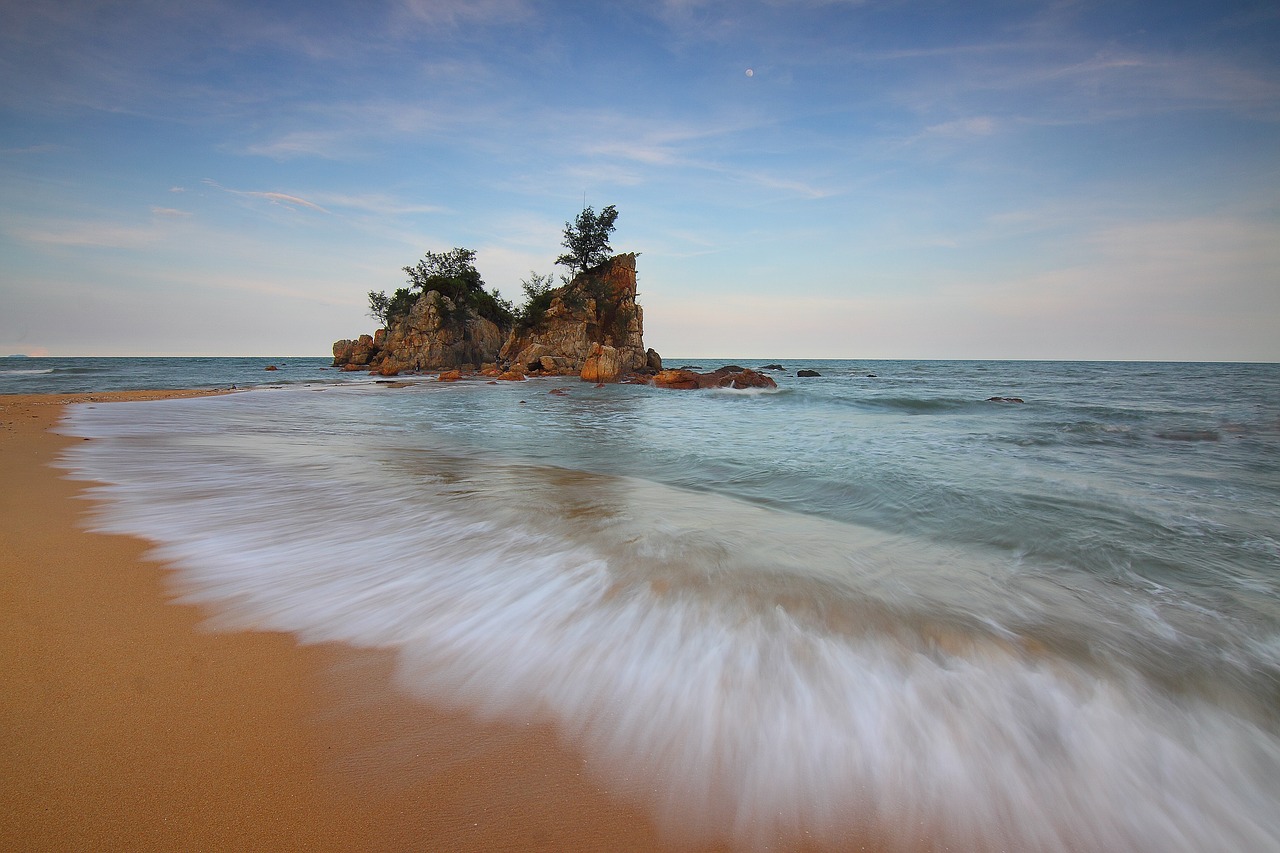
(1046, 181)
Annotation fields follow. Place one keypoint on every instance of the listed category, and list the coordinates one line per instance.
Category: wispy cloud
(276, 198)
(453, 13)
(377, 203)
(44, 148)
(97, 235)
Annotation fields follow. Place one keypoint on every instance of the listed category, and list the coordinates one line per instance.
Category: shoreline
(131, 726)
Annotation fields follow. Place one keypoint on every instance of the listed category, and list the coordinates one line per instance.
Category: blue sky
(1063, 180)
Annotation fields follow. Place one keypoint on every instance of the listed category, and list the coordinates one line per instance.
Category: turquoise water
(868, 601)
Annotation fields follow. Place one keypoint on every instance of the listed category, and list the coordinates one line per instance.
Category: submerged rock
(807, 373)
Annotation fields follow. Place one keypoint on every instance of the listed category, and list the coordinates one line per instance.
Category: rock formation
(434, 335)
(593, 328)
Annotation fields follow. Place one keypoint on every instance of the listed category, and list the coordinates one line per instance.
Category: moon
(751, 72)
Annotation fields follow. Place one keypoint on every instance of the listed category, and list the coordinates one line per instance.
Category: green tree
(453, 274)
(587, 239)
(537, 299)
(387, 309)
(379, 302)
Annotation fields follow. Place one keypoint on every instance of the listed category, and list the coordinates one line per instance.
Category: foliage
(587, 239)
(453, 274)
(387, 309)
(537, 299)
(379, 302)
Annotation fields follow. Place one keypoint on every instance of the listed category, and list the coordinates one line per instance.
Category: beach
(884, 607)
(128, 725)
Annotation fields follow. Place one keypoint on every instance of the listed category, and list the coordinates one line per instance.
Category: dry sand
(127, 726)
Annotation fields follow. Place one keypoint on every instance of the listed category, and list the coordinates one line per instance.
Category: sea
(874, 602)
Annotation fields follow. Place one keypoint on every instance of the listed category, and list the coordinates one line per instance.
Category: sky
(801, 178)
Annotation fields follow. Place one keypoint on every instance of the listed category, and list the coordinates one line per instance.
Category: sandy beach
(130, 726)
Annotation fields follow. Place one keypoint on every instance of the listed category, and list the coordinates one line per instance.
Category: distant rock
(1005, 400)
(726, 377)
(1189, 435)
(679, 379)
(772, 367)
(807, 373)
(270, 367)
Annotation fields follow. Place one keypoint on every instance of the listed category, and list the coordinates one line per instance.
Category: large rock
(438, 334)
(434, 335)
(358, 352)
(603, 365)
(593, 318)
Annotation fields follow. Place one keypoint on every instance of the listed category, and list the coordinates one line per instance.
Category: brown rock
(437, 334)
(449, 376)
(680, 379)
(342, 352)
(557, 365)
(725, 377)
(751, 379)
(511, 376)
(604, 364)
(389, 367)
(597, 308)
(270, 367)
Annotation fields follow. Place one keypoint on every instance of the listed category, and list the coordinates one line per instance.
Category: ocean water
(871, 603)
(20, 375)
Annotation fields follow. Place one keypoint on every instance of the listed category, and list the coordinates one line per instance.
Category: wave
(744, 672)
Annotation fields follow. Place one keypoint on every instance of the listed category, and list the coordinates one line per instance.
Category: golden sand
(128, 726)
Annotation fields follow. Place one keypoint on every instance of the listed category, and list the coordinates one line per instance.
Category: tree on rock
(587, 239)
(453, 274)
(387, 309)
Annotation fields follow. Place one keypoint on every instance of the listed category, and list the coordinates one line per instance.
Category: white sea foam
(743, 672)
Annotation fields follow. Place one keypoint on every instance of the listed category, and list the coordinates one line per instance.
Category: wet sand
(127, 725)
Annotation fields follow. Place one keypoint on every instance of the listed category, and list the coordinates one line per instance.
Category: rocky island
(591, 327)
